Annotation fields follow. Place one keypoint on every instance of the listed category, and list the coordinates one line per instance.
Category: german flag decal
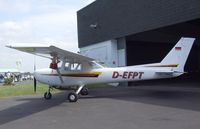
(81, 74)
(178, 48)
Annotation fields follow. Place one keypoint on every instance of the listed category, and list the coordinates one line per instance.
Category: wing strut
(54, 65)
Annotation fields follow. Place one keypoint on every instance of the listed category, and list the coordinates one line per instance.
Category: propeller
(35, 84)
(34, 79)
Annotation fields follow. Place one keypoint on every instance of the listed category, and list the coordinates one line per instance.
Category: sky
(37, 21)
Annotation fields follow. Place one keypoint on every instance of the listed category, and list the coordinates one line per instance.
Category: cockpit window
(95, 65)
(80, 66)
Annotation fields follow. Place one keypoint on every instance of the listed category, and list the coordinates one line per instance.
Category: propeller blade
(35, 84)
(34, 80)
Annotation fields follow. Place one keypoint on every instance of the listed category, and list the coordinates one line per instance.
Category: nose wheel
(48, 95)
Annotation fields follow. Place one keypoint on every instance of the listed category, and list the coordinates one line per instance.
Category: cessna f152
(77, 70)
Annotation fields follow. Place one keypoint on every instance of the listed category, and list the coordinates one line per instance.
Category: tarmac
(145, 106)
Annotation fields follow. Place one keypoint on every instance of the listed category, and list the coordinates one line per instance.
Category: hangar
(131, 32)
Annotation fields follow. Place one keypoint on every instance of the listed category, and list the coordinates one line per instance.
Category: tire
(72, 97)
(84, 91)
(47, 95)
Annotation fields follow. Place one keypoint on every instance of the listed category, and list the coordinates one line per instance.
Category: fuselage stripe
(164, 65)
(95, 74)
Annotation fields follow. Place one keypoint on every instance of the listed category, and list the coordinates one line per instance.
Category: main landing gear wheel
(84, 91)
(72, 97)
(47, 95)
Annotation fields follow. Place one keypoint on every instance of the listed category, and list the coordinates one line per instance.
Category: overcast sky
(37, 21)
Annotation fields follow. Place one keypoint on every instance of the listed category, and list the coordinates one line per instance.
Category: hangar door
(104, 52)
(146, 52)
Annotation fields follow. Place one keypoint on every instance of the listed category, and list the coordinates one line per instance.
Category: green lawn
(22, 90)
(27, 89)
(96, 86)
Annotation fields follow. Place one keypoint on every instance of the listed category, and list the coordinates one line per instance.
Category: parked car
(1, 79)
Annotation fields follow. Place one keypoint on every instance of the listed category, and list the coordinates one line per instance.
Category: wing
(49, 51)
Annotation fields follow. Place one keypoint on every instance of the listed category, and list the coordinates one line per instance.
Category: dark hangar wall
(118, 18)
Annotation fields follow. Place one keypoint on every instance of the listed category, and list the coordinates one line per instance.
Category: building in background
(131, 32)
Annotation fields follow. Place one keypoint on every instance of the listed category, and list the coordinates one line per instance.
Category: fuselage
(100, 75)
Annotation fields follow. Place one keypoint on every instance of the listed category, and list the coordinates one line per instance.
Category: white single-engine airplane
(77, 70)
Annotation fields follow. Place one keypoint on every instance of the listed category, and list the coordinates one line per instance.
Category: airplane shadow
(176, 97)
(29, 107)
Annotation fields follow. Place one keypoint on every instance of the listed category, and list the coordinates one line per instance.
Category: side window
(72, 66)
(79, 67)
(67, 66)
(76, 67)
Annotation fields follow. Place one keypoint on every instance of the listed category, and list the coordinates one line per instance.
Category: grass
(96, 86)
(18, 90)
(27, 89)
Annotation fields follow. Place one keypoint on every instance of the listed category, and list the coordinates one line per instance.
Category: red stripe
(76, 75)
(81, 75)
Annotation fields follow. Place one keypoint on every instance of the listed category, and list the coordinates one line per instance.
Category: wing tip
(8, 45)
(24, 45)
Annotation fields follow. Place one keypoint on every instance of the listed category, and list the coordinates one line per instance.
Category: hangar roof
(108, 19)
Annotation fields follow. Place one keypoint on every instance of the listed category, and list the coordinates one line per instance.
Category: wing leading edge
(49, 51)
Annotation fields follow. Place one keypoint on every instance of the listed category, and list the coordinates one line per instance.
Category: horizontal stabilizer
(165, 73)
(169, 72)
(113, 84)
